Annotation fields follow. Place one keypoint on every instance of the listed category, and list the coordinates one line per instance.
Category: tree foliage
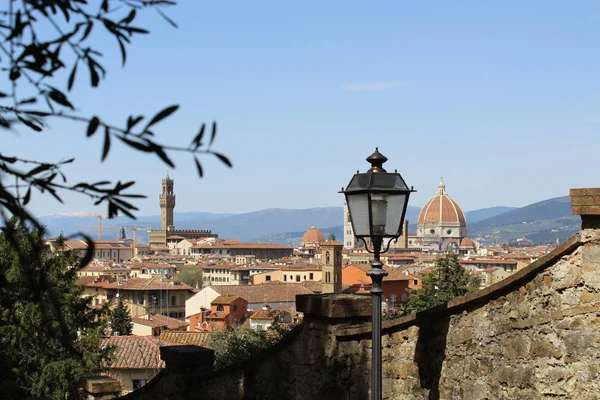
(45, 48)
(240, 344)
(446, 282)
(190, 275)
(120, 320)
(49, 333)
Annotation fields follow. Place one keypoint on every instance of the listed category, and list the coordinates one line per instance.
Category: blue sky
(502, 99)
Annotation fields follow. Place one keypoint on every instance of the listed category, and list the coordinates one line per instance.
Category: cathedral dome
(312, 235)
(442, 209)
(466, 242)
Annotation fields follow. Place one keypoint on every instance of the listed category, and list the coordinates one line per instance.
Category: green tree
(240, 344)
(120, 320)
(190, 275)
(45, 48)
(49, 333)
(447, 281)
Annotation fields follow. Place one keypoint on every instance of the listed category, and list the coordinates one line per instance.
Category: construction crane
(99, 226)
(134, 229)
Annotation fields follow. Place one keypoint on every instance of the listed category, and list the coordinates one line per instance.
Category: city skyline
(490, 98)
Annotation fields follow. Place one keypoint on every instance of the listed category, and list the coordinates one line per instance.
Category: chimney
(586, 204)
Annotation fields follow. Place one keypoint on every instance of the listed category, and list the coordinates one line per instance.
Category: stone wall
(534, 335)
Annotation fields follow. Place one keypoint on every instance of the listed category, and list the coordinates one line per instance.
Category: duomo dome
(441, 224)
(442, 209)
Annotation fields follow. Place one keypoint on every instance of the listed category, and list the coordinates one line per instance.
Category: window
(415, 282)
(173, 300)
(268, 278)
(220, 308)
(311, 276)
(234, 308)
(432, 231)
(327, 258)
(285, 278)
(449, 231)
(180, 315)
(297, 278)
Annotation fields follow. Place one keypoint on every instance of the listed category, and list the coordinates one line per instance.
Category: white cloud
(373, 86)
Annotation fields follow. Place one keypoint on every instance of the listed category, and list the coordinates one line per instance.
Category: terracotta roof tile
(275, 292)
(158, 320)
(136, 352)
(224, 299)
(193, 338)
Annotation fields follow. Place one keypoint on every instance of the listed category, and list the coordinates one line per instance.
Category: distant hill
(547, 220)
(485, 213)
(471, 216)
(541, 222)
(244, 227)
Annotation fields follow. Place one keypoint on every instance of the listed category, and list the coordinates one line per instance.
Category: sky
(502, 99)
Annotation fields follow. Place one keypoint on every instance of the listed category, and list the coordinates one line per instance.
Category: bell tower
(349, 238)
(331, 265)
(167, 204)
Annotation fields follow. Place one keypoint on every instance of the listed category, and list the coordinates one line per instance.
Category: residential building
(262, 251)
(394, 285)
(226, 312)
(155, 295)
(200, 301)
(295, 273)
(154, 325)
(134, 361)
(273, 294)
(263, 319)
(483, 263)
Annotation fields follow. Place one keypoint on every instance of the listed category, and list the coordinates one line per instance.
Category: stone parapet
(334, 305)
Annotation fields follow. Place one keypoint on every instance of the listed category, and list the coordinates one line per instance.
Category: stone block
(565, 275)
(514, 348)
(590, 255)
(541, 348)
(588, 297)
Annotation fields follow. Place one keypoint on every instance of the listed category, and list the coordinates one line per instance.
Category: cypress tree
(120, 320)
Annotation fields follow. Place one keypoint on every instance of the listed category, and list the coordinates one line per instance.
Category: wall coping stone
(586, 203)
(334, 305)
(99, 385)
(461, 303)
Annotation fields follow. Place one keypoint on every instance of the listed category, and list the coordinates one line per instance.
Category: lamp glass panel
(359, 213)
(379, 206)
(386, 212)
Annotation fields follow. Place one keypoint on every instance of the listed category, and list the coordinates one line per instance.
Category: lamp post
(377, 202)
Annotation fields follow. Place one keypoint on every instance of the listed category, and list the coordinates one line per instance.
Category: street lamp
(377, 202)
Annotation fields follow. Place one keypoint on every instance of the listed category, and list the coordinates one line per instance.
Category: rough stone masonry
(534, 335)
